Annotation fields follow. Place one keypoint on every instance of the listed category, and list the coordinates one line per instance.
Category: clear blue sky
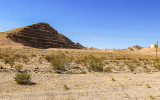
(93, 23)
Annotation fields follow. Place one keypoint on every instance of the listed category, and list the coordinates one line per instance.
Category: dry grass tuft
(108, 69)
(65, 87)
(18, 67)
(151, 97)
(113, 79)
(148, 86)
(131, 68)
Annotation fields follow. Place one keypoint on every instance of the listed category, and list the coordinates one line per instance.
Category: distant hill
(134, 48)
(40, 35)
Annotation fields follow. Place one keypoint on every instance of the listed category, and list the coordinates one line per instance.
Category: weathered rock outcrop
(41, 35)
(135, 48)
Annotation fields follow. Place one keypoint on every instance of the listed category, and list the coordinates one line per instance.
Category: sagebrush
(23, 78)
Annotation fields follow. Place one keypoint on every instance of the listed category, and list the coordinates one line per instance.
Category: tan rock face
(41, 35)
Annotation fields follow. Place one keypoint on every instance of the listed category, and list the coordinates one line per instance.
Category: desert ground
(38, 63)
(126, 75)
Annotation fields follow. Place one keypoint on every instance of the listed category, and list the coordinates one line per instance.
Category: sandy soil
(94, 86)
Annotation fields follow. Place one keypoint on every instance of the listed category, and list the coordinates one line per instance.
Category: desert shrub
(2, 56)
(59, 62)
(81, 60)
(17, 56)
(131, 68)
(157, 65)
(148, 70)
(40, 60)
(94, 63)
(12, 59)
(49, 58)
(58, 65)
(84, 59)
(107, 69)
(23, 78)
(25, 58)
(18, 67)
(9, 60)
(32, 55)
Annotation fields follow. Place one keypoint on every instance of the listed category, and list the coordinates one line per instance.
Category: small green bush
(58, 65)
(59, 62)
(95, 63)
(23, 78)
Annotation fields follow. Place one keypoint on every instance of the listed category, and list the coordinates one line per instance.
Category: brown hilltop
(134, 48)
(40, 35)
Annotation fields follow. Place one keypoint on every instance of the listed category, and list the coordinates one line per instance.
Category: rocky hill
(40, 35)
(134, 48)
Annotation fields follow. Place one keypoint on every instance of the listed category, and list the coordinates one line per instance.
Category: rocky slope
(134, 48)
(40, 35)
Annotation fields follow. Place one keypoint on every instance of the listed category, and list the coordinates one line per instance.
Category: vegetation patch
(59, 62)
(94, 63)
(131, 68)
(157, 65)
(18, 68)
(23, 78)
(108, 69)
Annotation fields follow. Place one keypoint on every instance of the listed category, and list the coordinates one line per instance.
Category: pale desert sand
(94, 86)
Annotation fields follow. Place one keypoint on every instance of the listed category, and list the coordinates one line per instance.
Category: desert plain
(131, 75)
(60, 69)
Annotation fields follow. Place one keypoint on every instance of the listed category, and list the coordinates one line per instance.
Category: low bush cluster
(23, 78)
(94, 63)
(59, 62)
